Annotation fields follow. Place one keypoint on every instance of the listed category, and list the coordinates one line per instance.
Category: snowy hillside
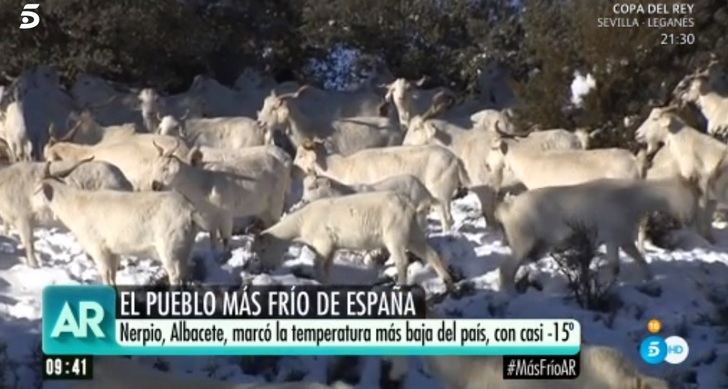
(688, 296)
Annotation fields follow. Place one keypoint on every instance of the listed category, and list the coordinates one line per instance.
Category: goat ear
(47, 190)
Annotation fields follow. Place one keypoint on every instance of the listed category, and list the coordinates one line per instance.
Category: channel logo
(655, 350)
(29, 18)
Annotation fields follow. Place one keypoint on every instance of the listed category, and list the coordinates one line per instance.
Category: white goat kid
(366, 221)
(539, 220)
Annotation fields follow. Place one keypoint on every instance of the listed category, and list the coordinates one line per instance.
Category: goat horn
(71, 133)
(440, 102)
(65, 172)
(159, 148)
(174, 149)
(103, 104)
(295, 94)
(500, 132)
(185, 115)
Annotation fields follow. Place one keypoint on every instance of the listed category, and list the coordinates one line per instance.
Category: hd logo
(655, 350)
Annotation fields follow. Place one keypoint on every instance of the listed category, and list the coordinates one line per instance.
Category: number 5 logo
(29, 19)
(653, 349)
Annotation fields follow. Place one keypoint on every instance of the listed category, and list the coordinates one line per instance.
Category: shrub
(575, 263)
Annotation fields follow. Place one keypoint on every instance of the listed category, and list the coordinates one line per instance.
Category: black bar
(201, 298)
(547, 367)
(68, 367)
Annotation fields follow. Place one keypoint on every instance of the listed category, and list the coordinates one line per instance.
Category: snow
(581, 86)
(687, 295)
(342, 69)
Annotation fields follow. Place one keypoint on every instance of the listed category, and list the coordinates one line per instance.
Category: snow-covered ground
(688, 296)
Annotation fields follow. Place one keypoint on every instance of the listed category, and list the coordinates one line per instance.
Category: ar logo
(90, 316)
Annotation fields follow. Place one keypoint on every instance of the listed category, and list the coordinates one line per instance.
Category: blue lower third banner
(279, 320)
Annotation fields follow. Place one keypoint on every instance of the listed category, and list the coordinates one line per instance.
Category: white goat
(438, 169)
(411, 102)
(714, 106)
(363, 132)
(234, 160)
(693, 154)
(365, 221)
(133, 155)
(601, 367)
(317, 187)
(221, 196)
(20, 209)
(536, 168)
(151, 108)
(539, 220)
(491, 119)
(221, 132)
(88, 131)
(346, 135)
(14, 131)
(160, 224)
(261, 162)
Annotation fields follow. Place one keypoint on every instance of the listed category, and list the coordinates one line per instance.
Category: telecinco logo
(28, 17)
(654, 349)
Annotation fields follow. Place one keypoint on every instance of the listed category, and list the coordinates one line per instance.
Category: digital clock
(677, 39)
(67, 367)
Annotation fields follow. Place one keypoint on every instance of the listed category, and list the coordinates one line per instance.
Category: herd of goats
(356, 171)
(136, 173)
